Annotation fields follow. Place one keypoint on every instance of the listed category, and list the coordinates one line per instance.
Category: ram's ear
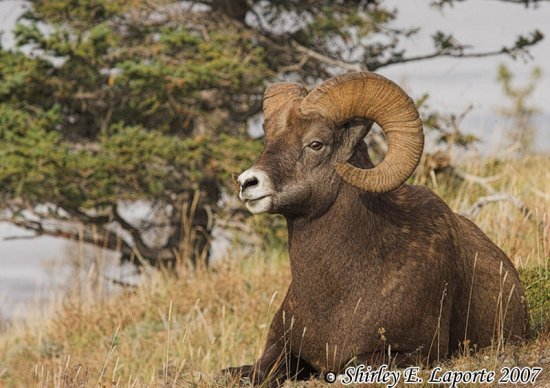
(278, 99)
(352, 134)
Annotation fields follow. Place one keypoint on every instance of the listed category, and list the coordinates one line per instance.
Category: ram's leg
(276, 363)
(273, 368)
(268, 363)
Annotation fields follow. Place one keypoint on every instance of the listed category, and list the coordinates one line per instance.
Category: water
(33, 271)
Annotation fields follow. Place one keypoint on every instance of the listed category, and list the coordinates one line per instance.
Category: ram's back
(488, 298)
(490, 305)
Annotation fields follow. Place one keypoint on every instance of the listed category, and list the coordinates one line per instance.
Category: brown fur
(396, 272)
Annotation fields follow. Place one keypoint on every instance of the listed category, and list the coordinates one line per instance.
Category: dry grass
(157, 333)
(178, 331)
(525, 240)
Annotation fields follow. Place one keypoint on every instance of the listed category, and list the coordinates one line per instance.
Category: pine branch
(438, 54)
(98, 235)
(526, 3)
(519, 47)
(103, 237)
(148, 253)
(349, 66)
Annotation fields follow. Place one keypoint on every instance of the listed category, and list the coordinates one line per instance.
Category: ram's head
(309, 148)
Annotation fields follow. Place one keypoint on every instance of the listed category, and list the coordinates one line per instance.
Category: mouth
(259, 205)
(248, 200)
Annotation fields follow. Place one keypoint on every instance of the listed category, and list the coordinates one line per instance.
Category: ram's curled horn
(371, 96)
(278, 98)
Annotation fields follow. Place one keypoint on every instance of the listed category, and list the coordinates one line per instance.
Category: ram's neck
(355, 232)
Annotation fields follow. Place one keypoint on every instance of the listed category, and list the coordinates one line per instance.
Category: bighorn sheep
(377, 266)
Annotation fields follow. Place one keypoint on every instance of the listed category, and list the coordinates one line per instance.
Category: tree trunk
(234, 9)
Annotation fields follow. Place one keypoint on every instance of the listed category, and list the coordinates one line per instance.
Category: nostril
(252, 181)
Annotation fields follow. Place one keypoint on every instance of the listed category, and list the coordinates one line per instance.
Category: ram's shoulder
(419, 196)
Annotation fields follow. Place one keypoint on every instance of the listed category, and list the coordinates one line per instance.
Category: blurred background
(90, 73)
(124, 123)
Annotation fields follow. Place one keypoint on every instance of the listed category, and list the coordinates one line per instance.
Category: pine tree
(109, 102)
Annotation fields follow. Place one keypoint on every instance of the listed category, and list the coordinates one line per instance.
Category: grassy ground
(178, 331)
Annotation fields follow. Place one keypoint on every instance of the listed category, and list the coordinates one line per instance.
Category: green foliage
(127, 164)
(79, 13)
(111, 107)
(23, 79)
(148, 76)
(30, 152)
(536, 281)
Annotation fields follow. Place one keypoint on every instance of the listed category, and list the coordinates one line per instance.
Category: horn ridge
(373, 97)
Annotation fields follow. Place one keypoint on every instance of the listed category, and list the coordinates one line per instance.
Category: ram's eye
(316, 145)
